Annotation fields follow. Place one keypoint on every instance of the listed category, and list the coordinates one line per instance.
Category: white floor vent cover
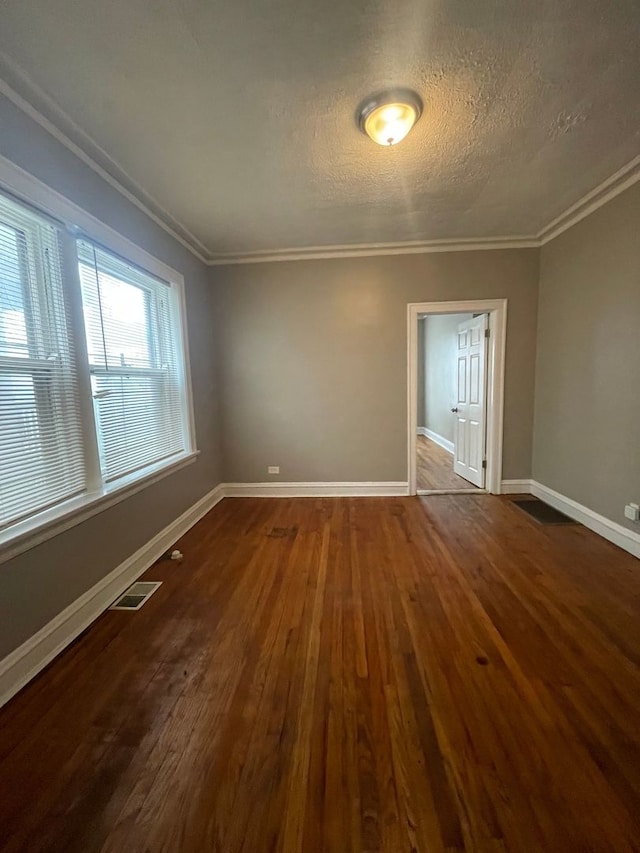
(136, 595)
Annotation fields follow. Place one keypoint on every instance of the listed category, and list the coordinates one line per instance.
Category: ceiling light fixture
(387, 118)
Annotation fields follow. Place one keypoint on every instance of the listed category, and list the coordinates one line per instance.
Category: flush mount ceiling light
(387, 118)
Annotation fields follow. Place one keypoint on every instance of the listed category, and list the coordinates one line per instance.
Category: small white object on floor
(176, 555)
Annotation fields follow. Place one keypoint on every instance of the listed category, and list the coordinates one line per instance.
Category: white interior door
(469, 411)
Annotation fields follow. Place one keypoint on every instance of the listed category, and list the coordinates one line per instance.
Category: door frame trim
(496, 352)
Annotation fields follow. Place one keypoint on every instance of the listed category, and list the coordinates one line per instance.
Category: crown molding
(362, 250)
(603, 193)
(51, 117)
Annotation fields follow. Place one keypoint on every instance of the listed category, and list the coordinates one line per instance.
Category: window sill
(27, 534)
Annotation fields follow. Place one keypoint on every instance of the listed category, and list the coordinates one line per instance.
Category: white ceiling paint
(236, 119)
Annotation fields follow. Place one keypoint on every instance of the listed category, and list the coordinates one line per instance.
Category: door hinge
(484, 463)
(486, 333)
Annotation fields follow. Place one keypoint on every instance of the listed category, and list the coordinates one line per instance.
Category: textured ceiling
(237, 117)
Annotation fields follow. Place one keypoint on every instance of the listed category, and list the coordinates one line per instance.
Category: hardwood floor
(434, 468)
(396, 674)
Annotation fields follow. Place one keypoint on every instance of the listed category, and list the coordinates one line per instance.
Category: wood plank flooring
(380, 674)
(434, 468)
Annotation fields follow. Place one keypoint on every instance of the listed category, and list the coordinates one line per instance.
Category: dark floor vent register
(136, 595)
(543, 513)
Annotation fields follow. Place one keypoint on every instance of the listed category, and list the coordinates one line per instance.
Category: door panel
(460, 446)
(469, 427)
(462, 380)
(474, 379)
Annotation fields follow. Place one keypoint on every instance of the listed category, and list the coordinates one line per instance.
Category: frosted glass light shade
(387, 119)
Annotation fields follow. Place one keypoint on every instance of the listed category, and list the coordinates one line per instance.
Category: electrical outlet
(632, 512)
(273, 469)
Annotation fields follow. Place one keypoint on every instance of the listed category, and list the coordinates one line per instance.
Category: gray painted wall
(314, 359)
(36, 585)
(587, 409)
(440, 375)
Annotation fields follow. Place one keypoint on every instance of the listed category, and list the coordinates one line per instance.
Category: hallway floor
(434, 468)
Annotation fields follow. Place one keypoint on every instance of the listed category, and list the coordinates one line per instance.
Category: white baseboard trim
(434, 436)
(315, 490)
(25, 662)
(611, 530)
(515, 487)
(421, 431)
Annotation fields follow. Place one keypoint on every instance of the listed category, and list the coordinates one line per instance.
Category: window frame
(99, 496)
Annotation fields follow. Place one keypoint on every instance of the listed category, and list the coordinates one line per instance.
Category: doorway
(455, 396)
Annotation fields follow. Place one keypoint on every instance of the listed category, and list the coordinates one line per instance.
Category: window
(92, 380)
(129, 322)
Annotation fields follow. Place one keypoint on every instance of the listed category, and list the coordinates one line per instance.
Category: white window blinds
(41, 450)
(131, 321)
